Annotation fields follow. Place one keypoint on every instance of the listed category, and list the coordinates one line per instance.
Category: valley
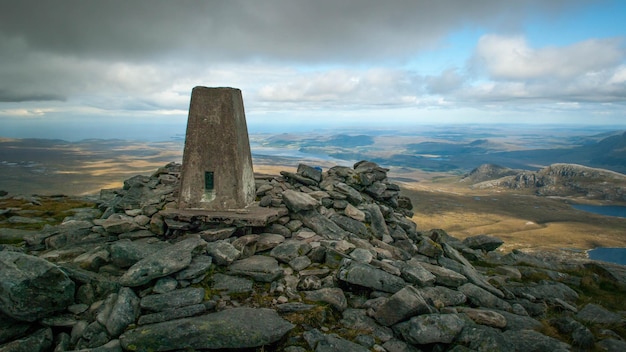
(428, 164)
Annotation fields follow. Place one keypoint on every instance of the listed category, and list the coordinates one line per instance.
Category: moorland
(428, 162)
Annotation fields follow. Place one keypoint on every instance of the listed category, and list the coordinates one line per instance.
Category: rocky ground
(343, 270)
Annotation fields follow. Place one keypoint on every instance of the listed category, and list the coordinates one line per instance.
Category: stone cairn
(345, 270)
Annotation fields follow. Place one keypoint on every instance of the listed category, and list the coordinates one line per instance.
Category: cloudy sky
(82, 69)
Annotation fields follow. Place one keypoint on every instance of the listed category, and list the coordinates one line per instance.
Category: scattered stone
(162, 263)
(593, 313)
(258, 267)
(401, 306)
(367, 276)
(173, 299)
(346, 241)
(483, 242)
(431, 328)
(32, 288)
(236, 328)
(332, 296)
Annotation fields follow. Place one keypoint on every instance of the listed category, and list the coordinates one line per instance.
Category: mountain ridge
(560, 179)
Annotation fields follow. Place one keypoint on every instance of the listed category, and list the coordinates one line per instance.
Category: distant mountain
(554, 180)
(487, 172)
(608, 153)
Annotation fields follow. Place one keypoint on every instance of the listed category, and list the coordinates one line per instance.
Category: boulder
(32, 288)
(298, 201)
(431, 328)
(163, 263)
(483, 242)
(368, 276)
(236, 328)
(401, 306)
(258, 267)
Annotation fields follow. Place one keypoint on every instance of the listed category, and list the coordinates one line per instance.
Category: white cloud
(345, 87)
(511, 57)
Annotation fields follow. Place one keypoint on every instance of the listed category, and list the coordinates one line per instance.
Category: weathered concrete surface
(216, 142)
(253, 216)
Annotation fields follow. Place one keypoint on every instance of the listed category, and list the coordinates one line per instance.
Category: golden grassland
(521, 220)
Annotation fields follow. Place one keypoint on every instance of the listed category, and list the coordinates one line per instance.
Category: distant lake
(613, 255)
(608, 210)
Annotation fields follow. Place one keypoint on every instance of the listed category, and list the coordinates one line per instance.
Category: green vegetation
(51, 210)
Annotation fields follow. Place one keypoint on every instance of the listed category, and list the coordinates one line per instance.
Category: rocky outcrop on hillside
(344, 270)
(555, 180)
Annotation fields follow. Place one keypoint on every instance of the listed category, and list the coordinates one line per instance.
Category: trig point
(217, 164)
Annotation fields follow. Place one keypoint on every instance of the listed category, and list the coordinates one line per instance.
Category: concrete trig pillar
(217, 163)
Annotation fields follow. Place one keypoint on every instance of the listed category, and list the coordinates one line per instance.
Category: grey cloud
(448, 81)
(18, 97)
(241, 30)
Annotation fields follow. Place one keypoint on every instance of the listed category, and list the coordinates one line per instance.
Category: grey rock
(11, 329)
(300, 263)
(354, 213)
(332, 343)
(441, 296)
(357, 319)
(353, 226)
(593, 313)
(293, 307)
(222, 233)
(289, 250)
(445, 276)
(32, 288)
(39, 341)
(479, 297)
(111, 346)
(431, 328)
(395, 345)
(231, 284)
(313, 173)
(483, 242)
(223, 252)
(173, 299)
(612, 345)
(353, 196)
(519, 322)
(581, 336)
(163, 263)
(118, 224)
(124, 312)
(233, 328)
(547, 290)
(368, 276)
(8, 235)
(333, 296)
(482, 338)
(197, 269)
(361, 255)
(414, 273)
(165, 284)
(533, 341)
(298, 201)
(429, 248)
(309, 283)
(172, 314)
(258, 267)
(125, 253)
(379, 226)
(485, 317)
(267, 241)
(321, 225)
(401, 306)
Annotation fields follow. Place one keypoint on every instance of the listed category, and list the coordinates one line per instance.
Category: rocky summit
(342, 268)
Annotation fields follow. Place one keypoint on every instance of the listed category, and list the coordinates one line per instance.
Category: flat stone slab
(251, 216)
